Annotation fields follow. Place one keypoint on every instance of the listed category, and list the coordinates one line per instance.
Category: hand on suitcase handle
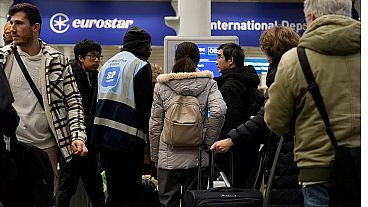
(222, 146)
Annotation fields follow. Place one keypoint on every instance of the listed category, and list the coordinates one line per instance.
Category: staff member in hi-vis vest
(123, 108)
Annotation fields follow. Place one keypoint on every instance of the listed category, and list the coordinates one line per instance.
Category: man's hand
(79, 147)
(222, 146)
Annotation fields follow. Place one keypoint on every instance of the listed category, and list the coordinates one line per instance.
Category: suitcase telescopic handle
(272, 173)
(211, 166)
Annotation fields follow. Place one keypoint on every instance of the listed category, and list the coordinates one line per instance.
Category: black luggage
(35, 174)
(222, 196)
(149, 194)
(26, 176)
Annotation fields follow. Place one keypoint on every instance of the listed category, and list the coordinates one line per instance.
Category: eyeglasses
(94, 56)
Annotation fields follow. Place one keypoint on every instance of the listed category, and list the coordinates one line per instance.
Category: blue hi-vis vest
(115, 108)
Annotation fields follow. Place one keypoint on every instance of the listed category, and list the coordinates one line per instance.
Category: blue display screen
(259, 63)
(208, 54)
(208, 57)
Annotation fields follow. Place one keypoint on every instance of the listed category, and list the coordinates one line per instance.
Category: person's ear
(310, 18)
(231, 61)
(37, 27)
(313, 17)
(80, 58)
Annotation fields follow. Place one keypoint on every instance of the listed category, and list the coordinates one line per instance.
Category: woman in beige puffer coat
(177, 167)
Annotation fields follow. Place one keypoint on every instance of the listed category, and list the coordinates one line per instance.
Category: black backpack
(257, 101)
(26, 176)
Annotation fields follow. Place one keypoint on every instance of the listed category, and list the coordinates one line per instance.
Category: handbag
(346, 175)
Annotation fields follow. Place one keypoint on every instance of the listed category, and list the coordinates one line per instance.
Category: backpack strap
(314, 90)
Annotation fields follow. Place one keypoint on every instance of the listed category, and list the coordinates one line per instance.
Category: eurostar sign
(70, 21)
(60, 23)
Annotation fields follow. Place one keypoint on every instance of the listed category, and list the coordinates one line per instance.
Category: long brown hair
(184, 65)
(187, 49)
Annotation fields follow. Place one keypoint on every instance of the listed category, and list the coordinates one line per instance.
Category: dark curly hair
(31, 11)
(85, 46)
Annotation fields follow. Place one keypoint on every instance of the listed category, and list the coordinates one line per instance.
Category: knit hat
(7, 33)
(136, 36)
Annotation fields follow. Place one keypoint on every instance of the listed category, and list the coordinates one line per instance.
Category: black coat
(9, 193)
(285, 188)
(234, 85)
(256, 127)
(8, 116)
(87, 87)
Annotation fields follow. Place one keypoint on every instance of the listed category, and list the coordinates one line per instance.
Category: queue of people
(86, 117)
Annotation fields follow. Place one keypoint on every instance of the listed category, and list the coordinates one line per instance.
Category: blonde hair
(277, 40)
(7, 33)
(156, 70)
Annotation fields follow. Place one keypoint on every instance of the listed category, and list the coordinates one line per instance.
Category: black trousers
(123, 176)
(87, 169)
(171, 181)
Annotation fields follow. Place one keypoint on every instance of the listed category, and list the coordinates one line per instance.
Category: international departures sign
(69, 21)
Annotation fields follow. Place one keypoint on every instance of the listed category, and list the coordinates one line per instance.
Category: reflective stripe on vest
(120, 126)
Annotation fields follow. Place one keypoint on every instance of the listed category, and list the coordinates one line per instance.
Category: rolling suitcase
(221, 196)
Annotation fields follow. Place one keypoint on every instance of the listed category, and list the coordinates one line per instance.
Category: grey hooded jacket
(201, 85)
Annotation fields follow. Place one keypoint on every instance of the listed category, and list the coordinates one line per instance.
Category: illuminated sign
(69, 21)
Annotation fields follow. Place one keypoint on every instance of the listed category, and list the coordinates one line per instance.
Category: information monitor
(207, 48)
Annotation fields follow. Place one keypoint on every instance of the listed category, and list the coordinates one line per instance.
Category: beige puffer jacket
(205, 88)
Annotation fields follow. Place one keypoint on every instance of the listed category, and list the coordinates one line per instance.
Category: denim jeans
(316, 195)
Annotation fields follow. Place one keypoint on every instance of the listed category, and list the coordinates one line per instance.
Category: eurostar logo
(59, 23)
